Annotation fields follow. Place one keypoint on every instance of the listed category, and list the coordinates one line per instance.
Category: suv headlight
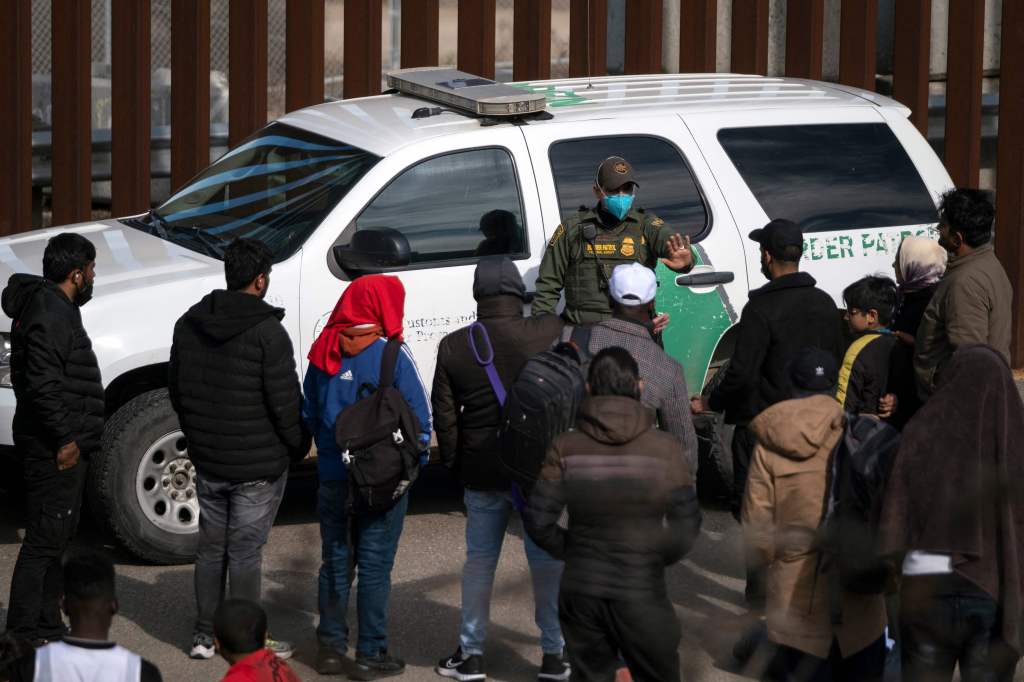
(5, 360)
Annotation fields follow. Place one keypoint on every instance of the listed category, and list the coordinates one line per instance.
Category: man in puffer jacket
(782, 510)
(467, 416)
(234, 386)
(632, 511)
(58, 423)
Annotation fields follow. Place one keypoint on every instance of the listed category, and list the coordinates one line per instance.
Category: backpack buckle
(346, 457)
(399, 438)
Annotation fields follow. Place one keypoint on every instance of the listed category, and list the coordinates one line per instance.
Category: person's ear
(640, 386)
(115, 606)
(597, 191)
(588, 388)
(872, 315)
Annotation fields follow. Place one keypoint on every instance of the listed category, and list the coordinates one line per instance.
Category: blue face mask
(618, 204)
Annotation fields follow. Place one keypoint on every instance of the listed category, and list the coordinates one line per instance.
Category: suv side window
(830, 176)
(667, 187)
(455, 206)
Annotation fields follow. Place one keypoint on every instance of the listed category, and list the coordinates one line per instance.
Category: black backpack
(858, 471)
(541, 404)
(378, 436)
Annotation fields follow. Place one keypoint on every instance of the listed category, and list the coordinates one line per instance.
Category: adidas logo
(347, 376)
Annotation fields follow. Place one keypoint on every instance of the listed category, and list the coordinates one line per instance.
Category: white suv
(433, 189)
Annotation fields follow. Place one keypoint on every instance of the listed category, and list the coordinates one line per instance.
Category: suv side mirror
(373, 250)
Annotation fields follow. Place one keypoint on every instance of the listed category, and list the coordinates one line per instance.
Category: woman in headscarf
(954, 516)
(920, 264)
(346, 356)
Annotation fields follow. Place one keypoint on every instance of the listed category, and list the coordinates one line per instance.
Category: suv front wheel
(142, 485)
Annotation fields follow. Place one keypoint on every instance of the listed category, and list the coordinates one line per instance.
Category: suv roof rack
(466, 93)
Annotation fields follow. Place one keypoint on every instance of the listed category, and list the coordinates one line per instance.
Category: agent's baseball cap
(812, 371)
(633, 284)
(614, 172)
(778, 235)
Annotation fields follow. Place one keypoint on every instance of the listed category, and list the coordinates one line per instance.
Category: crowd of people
(910, 405)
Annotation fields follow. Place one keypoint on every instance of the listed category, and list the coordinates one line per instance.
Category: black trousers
(645, 632)
(53, 501)
(947, 620)
(743, 442)
(867, 665)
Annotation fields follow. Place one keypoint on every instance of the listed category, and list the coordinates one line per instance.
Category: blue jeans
(376, 542)
(487, 515)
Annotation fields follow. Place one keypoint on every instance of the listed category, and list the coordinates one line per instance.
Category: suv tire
(142, 484)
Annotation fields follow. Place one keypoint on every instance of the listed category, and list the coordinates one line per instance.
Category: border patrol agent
(583, 251)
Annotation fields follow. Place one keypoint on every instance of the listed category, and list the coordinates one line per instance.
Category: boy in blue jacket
(345, 356)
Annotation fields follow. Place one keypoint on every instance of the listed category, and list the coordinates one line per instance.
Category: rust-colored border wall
(247, 68)
(750, 36)
(190, 89)
(588, 38)
(858, 40)
(476, 37)
(16, 117)
(963, 91)
(911, 49)
(698, 33)
(531, 40)
(420, 30)
(72, 128)
(130, 115)
(304, 54)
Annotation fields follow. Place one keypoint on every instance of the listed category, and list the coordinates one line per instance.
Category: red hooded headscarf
(375, 300)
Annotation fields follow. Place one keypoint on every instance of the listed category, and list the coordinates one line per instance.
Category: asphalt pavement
(157, 604)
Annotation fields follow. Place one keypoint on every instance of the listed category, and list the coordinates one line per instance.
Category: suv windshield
(277, 186)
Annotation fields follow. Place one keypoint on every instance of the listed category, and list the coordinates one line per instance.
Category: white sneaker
(202, 647)
(280, 649)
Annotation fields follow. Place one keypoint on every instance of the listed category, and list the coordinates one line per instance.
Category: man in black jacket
(467, 415)
(234, 386)
(58, 422)
(782, 317)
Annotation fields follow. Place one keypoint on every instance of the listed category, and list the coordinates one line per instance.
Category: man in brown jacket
(974, 301)
(782, 510)
(632, 511)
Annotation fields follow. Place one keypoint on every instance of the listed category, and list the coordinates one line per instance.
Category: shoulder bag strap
(488, 362)
(388, 362)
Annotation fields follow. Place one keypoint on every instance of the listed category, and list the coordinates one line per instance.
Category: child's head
(239, 628)
(89, 594)
(870, 303)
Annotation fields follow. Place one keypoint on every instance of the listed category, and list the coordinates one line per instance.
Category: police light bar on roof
(466, 92)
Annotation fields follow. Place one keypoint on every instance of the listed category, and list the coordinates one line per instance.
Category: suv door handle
(705, 279)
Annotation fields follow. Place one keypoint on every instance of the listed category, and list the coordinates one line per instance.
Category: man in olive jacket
(58, 423)
(974, 300)
(467, 416)
(234, 386)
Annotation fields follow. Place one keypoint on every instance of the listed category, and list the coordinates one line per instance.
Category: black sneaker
(554, 667)
(331, 661)
(374, 667)
(461, 667)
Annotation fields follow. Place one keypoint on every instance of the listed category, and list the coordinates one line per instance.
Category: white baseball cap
(633, 284)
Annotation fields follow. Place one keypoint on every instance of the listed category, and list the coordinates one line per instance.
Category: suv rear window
(830, 176)
(667, 187)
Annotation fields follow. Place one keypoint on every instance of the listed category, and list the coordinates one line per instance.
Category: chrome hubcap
(166, 486)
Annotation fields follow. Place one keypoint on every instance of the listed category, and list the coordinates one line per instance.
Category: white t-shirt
(63, 662)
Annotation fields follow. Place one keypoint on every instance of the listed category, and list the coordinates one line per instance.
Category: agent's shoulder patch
(656, 221)
(559, 233)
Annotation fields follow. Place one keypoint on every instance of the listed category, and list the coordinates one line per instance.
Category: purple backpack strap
(488, 362)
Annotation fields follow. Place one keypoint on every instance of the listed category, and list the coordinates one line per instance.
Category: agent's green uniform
(583, 267)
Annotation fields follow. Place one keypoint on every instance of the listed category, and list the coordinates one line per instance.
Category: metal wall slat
(304, 60)
(805, 28)
(362, 50)
(1010, 166)
(911, 51)
(16, 117)
(698, 32)
(750, 36)
(858, 39)
(420, 32)
(72, 127)
(476, 37)
(643, 45)
(190, 89)
(247, 68)
(963, 91)
(588, 38)
(531, 40)
(130, 94)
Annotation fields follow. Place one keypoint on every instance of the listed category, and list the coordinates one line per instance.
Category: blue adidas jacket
(326, 396)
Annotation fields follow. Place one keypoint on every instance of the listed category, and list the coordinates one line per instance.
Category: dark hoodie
(56, 377)
(466, 411)
(233, 383)
(631, 499)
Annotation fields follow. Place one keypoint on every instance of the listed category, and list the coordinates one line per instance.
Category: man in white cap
(632, 288)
